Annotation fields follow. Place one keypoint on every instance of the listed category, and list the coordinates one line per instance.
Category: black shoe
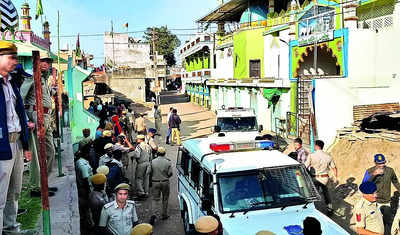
(152, 220)
(53, 189)
(165, 217)
(22, 211)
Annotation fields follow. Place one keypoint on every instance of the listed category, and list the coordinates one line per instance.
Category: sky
(95, 16)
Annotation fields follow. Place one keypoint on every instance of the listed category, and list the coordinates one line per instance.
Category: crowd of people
(124, 162)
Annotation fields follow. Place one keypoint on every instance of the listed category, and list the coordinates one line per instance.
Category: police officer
(319, 164)
(150, 141)
(142, 229)
(140, 125)
(157, 118)
(28, 94)
(97, 198)
(142, 155)
(13, 138)
(119, 216)
(162, 170)
(206, 225)
(86, 138)
(107, 157)
(368, 217)
(383, 176)
(84, 185)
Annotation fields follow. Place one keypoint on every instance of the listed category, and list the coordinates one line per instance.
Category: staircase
(304, 86)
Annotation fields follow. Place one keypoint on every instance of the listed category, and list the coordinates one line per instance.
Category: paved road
(195, 122)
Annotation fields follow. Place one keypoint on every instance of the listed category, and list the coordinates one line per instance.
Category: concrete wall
(224, 63)
(276, 52)
(132, 88)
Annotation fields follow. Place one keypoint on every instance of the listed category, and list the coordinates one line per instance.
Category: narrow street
(195, 122)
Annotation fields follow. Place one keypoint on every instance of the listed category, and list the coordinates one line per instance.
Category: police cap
(108, 146)
(122, 186)
(152, 130)
(206, 224)
(368, 187)
(379, 158)
(140, 137)
(103, 170)
(98, 179)
(7, 48)
(142, 229)
(161, 150)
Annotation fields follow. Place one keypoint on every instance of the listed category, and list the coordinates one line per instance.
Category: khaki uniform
(28, 95)
(162, 171)
(140, 126)
(142, 154)
(320, 163)
(157, 120)
(368, 216)
(119, 221)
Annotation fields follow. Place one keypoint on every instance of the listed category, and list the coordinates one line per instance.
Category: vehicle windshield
(265, 188)
(237, 123)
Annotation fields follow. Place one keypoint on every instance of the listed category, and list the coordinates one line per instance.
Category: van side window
(195, 173)
(208, 191)
(183, 162)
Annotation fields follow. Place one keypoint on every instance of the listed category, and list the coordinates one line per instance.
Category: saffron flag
(39, 9)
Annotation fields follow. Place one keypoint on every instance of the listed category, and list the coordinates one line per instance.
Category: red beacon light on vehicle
(221, 147)
(264, 144)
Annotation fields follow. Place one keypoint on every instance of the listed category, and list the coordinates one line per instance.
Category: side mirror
(205, 204)
(260, 128)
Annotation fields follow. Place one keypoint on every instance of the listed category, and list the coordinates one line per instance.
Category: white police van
(249, 186)
(238, 123)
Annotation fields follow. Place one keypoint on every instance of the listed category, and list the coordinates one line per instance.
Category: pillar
(25, 17)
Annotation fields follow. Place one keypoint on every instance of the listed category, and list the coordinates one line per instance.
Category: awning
(25, 49)
(273, 94)
(227, 12)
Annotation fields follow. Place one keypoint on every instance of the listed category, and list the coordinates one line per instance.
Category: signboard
(318, 28)
(316, 38)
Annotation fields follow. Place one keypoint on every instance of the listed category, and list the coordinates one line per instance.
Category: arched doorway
(327, 62)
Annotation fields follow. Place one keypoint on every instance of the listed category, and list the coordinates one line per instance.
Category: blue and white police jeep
(237, 123)
(248, 185)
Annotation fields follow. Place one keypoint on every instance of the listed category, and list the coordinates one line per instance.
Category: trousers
(34, 171)
(387, 216)
(142, 178)
(160, 190)
(157, 124)
(176, 134)
(324, 188)
(11, 172)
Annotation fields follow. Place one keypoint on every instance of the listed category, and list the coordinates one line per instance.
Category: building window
(207, 38)
(193, 74)
(215, 61)
(199, 74)
(197, 40)
(255, 68)
(192, 44)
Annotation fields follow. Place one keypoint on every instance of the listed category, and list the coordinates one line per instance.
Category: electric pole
(156, 81)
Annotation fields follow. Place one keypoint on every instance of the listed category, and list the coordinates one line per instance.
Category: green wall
(247, 45)
(79, 117)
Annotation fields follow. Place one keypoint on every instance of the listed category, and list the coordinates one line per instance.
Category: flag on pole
(126, 25)
(78, 47)
(39, 9)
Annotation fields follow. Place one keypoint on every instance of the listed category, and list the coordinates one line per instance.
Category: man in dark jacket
(13, 139)
(175, 123)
